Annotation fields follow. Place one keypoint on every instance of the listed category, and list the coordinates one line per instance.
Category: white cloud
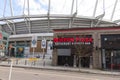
(85, 7)
(35, 7)
(61, 6)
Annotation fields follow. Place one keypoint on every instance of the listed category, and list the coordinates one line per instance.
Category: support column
(103, 59)
(0, 28)
(54, 57)
(74, 61)
(96, 52)
(15, 49)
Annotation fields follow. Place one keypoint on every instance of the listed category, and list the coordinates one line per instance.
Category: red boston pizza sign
(77, 39)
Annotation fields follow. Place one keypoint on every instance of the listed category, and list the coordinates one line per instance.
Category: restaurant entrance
(112, 59)
(65, 60)
(110, 44)
(74, 50)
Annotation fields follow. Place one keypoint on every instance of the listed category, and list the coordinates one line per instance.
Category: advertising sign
(43, 43)
(34, 41)
(73, 40)
(49, 45)
(0, 36)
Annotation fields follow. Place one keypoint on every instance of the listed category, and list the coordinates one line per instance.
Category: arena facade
(22, 27)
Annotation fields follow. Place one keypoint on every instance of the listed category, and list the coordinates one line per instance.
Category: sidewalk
(60, 68)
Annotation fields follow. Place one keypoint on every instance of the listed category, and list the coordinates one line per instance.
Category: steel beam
(7, 22)
(4, 8)
(114, 9)
(95, 8)
(71, 19)
(49, 16)
(11, 8)
(28, 7)
(28, 24)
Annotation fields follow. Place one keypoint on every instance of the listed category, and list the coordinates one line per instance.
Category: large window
(110, 41)
(64, 52)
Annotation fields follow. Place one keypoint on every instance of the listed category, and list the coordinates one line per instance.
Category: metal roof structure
(45, 23)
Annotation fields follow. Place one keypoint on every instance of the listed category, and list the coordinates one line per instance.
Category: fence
(37, 62)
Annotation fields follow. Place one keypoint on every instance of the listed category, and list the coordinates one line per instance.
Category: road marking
(55, 74)
(62, 74)
(10, 72)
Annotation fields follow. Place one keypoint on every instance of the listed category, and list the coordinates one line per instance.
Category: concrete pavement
(46, 64)
(33, 74)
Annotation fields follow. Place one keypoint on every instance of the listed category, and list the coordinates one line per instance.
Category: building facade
(87, 47)
(4, 38)
(22, 45)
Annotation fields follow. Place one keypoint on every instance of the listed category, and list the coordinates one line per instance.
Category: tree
(82, 50)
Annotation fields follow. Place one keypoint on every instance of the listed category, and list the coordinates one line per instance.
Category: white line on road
(54, 74)
(10, 73)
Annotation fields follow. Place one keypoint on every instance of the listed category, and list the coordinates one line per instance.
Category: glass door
(112, 59)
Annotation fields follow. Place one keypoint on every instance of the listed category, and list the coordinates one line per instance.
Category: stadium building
(28, 31)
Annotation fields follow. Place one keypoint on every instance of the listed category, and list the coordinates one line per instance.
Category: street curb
(65, 69)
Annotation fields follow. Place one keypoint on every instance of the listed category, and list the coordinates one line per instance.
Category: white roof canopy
(41, 16)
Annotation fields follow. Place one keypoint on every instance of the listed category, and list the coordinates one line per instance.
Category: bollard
(17, 61)
(25, 62)
(43, 63)
(34, 63)
(66, 66)
(9, 61)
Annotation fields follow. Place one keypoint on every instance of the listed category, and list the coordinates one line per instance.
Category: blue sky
(85, 7)
(17, 9)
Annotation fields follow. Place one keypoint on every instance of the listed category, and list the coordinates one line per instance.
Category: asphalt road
(38, 74)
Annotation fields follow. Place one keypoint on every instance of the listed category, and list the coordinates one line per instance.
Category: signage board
(34, 41)
(73, 40)
(43, 43)
(0, 36)
(64, 52)
(49, 45)
(77, 39)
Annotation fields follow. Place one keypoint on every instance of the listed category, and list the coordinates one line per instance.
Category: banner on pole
(50, 45)
(43, 44)
(1, 36)
(34, 41)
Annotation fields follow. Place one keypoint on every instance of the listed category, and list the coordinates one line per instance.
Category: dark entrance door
(112, 58)
(65, 57)
(65, 60)
(110, 44)
(85, 61)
